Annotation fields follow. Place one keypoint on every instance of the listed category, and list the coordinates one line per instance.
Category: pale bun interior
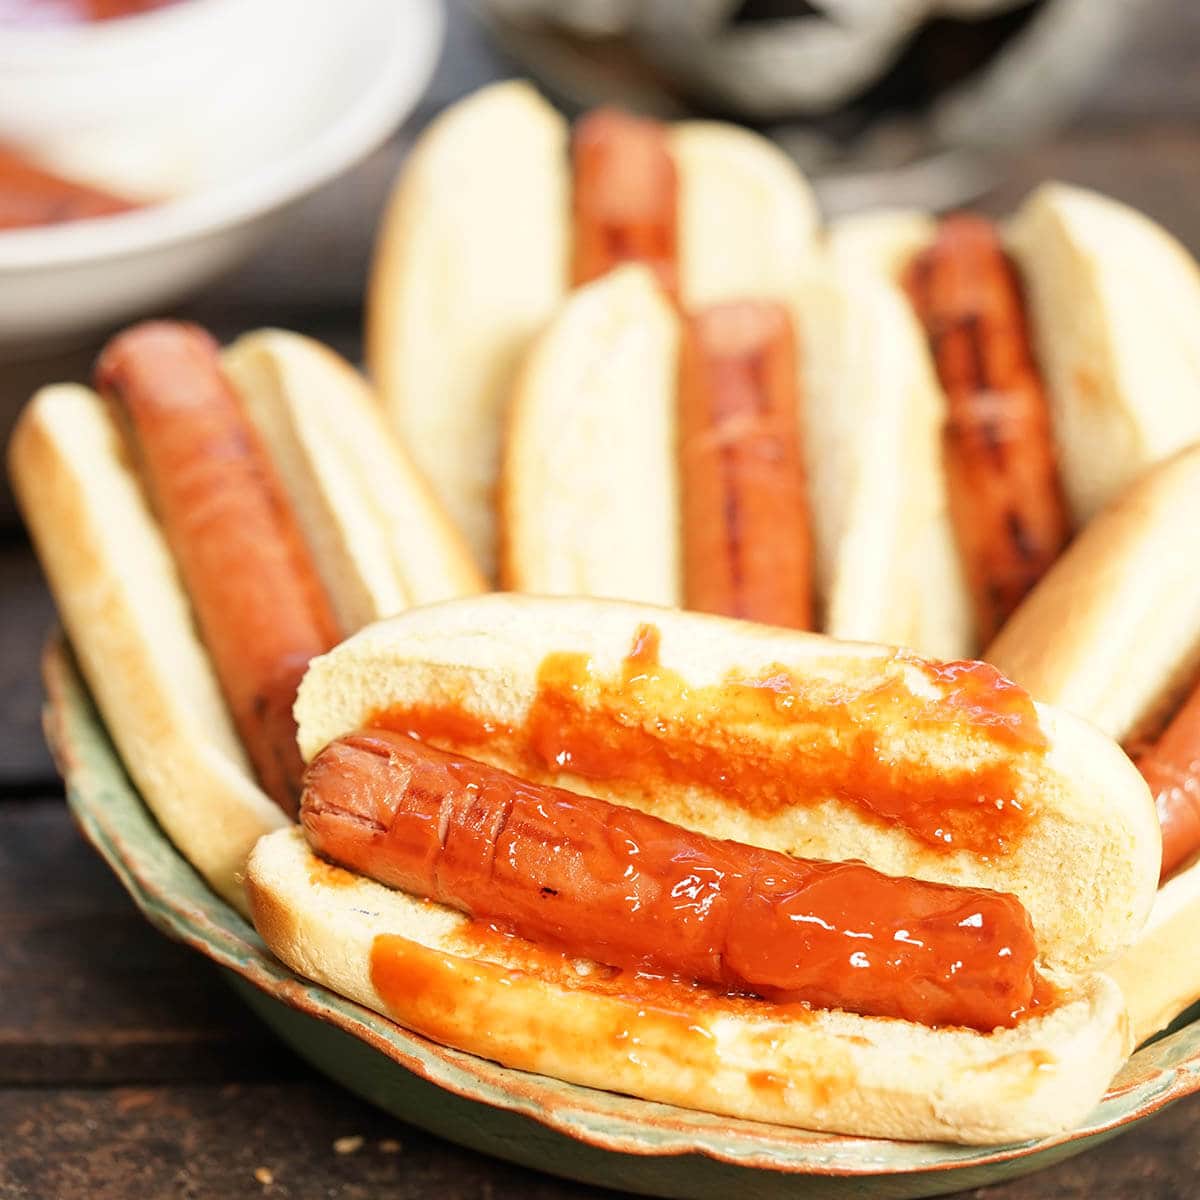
(128, 619)
(1115, 307)
(881, 242)
(887, 569)
(748, 220)
(1086, 868)
(1112, 632)
(380, 540)
(472, 259)
(589, 493)
(539, 1011)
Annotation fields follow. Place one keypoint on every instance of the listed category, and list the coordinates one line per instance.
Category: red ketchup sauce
(37, 14)
(647, 726)
(627, 889)
(30, 195)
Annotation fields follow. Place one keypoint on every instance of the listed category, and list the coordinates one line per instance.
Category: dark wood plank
(91, 993)
(26, 613)
(301, 1141)
(309, 1139)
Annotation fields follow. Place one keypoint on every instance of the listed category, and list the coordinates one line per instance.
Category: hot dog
(1112, 632)
(624, 197)
(740, 489)
(628, 889)
(259, 603)
(369, 528)
(1004, 497)
(673, 448)
(574, 939)
(486, 232)
(747, 541)
(30, 196)
(1053, 392)
(1170, 767)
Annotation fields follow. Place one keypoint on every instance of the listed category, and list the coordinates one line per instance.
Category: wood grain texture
(26, 613)
(91, 994)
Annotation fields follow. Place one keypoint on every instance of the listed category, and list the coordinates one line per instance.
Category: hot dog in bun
(207, 524)
(716, 864)
(502, 209)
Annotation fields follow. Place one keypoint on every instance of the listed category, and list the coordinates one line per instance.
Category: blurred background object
(202, 118)
(882, 101)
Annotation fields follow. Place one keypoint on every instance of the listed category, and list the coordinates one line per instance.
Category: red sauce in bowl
(30, 195)
(44, 14)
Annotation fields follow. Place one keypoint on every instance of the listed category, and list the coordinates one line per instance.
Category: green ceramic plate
(576, 1132)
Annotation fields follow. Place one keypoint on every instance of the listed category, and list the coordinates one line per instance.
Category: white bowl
(297, 99)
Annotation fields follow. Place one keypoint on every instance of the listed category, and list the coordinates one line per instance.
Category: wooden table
(126, 1067)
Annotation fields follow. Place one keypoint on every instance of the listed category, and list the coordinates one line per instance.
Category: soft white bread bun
(1085, 866)
(748, 220)
(881, 242)
(886, 566)
(381, 541)
(589, 490)
(1115, 306)
(1113, 633)
(539, 1011)
(129, 621)
(472, 259)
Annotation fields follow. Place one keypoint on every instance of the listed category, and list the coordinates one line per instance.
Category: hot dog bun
(1113, 633)
(1115, 306)
(382, 543)
(471, 260)
(1114, 312)
(473, 256)
(589, 491)
(748, 220)
(125, 609)
(539, 1011)
(589, 496)
(536, 1009)
(871, 412)
(1086, 871)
